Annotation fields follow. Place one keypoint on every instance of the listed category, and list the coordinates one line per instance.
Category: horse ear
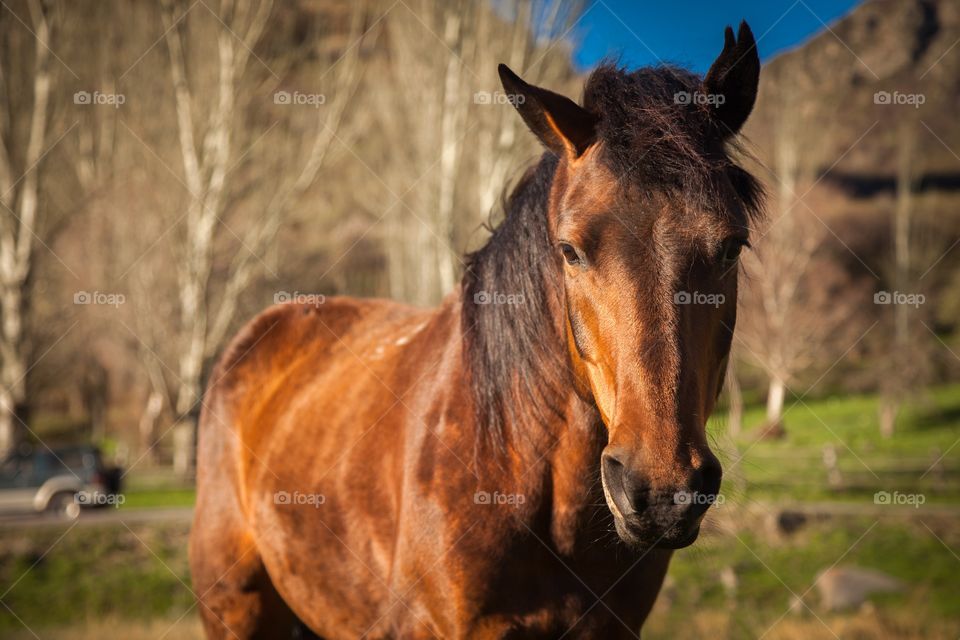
(560, 123)
(734, 75)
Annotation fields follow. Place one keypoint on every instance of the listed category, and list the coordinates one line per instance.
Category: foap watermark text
(99, 298)
(697, 297)
(299, 499)
(498, 498)
(898, 297)
(297, 297)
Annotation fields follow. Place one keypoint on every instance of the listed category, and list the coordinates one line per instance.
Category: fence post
(834, 479)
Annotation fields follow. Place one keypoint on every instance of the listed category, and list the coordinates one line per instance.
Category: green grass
(933, 420)
(156, 487)
(57, 579)
(793, 467)
(770, 570)
(110, 572)
(159, 497)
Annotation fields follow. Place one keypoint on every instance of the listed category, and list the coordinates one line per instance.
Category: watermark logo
(897, 498)
(498, 97)
(296, 98)
(99, 298)
(496, 297)
(99, 499)
(283, 297)
(497, 498)
(96, 98)
(299, 499)
(896, 98)
(898, 297)
(699, 98)
(695, 497)
(696, 297)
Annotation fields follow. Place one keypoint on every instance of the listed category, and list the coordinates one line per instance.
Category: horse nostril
(638, 495)
(613, 479)
(703, 490)
(629, 495)
(710, 475)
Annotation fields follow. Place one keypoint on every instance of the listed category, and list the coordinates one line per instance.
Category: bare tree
(541, 58)
(905, 367)
(894, 383)
(20, 199)
(795, 312)
(776, 310)
(207, 131)
(457, 136)
(787, 315)
(772, 298)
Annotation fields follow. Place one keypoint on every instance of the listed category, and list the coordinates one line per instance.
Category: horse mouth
(643, 535)
(681, 542)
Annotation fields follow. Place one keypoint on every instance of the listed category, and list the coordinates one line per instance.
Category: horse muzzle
(658, 516)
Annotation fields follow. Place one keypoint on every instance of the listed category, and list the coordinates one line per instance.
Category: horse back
(319, 362)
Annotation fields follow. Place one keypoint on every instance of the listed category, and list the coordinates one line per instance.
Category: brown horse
(368, 469)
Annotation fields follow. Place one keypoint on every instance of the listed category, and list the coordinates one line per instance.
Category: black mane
(511, 343)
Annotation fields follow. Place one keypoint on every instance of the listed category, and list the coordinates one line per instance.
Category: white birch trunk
(20, 203)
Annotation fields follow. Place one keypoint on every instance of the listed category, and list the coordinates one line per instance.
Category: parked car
(61, 481)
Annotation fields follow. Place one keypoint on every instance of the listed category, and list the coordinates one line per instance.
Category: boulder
(849, 587)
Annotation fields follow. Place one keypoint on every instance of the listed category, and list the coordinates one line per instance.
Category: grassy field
(138, 578)
(135, 580)
(57, 578)
(772, 571)
(145, 498)
(923, 456)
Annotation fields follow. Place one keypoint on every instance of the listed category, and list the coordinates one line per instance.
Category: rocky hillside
(857, 135)
(888, 70)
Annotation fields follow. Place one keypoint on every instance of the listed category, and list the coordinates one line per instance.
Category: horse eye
(732, 249)
(570, 254)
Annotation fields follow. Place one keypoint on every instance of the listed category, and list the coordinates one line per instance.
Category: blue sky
(690, 32)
